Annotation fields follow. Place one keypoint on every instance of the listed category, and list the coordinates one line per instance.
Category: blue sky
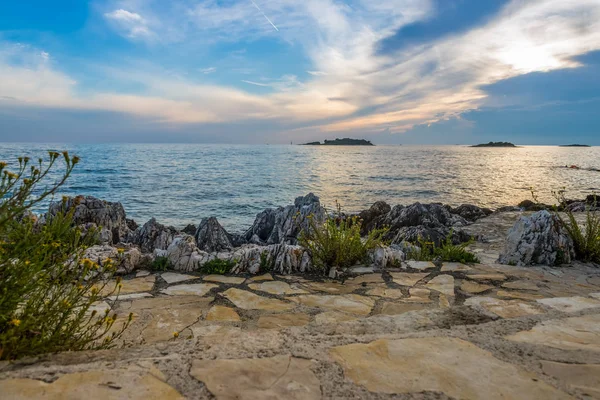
(275, 71)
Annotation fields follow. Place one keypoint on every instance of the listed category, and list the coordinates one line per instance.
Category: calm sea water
(182, 183)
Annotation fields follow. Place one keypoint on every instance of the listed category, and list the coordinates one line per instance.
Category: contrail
(264, 15)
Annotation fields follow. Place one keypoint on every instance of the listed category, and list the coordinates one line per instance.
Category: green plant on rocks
(160, 264)
(47, 288)
(446, 252)
(336, 242)
(217, 266)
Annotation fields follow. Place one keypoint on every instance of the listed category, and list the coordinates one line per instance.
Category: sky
(280, 71)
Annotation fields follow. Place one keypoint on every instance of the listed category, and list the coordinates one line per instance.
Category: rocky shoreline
(272, 240)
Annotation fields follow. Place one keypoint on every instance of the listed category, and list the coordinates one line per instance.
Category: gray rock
(279, 258)
(90, 210)
(190, 229)
(126, 260)
(538, 239)
(435, 234)
(183, 254)
(211, 236)
(371, 218)
(153, 235)
(383, 257)
(470, 212)
(283, 225)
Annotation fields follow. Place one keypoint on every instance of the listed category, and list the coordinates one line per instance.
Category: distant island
(341, 142)
(495, 144)
(574, 145)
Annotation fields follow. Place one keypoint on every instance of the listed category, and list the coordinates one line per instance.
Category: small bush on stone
(266, 264)
(447, 252)
(46, 288)
(160, 264)
(336, 242)
(217, 266)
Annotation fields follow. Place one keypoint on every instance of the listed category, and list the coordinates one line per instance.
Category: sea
(179, 184)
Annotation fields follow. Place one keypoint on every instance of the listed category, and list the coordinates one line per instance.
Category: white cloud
(208, 70)
(131, 23)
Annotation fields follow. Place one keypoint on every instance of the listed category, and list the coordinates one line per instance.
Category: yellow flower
(120, 251)
(27, 262)
(175, 334)
(16, 322)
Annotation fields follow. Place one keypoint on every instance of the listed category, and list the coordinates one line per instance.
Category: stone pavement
(421, 331)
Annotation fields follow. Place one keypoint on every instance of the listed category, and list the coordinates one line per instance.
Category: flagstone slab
(130, 296)
(570, 304)
(420, 265)
(455, 267)
(384, 291)
(232, 280)
(365, 280)
(576, 333)
(595, 295)
(443, 284)
(261, 278)
(407, 278)
(389, 308)
(330, 287)
(276, 287)
(142, 273)
(174, 277)
(279, 321)
(351, 303)
(505, 308)
(418, 295)
(250, 301)
(100, 307)
(91, 385)
(520, 285)
(279, 377)
(455, 367)
(474, 287)
(135, 285)
(332, 317)
(222, 313)
(487, 277)
(583, 377)
(519, 295)
(196, 289)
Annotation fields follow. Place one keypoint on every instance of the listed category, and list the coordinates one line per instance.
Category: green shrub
(160, 264)
(46, 288)
(217, 266)
(446, 252)
(586, 239)
(336, 242)
(266, 263)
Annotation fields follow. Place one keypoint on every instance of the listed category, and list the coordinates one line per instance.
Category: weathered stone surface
(577, 333)
(153, 235)
(514, 294)
(455, 267)
(232, 280)
(183, 254)
(595, 295)
(276, 287)
(470, 212)
(261, 278)
(174, 277)
(583, 377)
(420, 265)
(365, 280)
(520, 285)
(126, 259)
(333, 317)
(474, 287)
(383, 257)
(443, 284)
(384, 291)
(90, 210)
(452, 366)
(279, 377)
(331, 287)
(134, 285)
(487, 277)
(130, 296)
(505, 308)
(222, 313)
(250, 301)
(212, 237)
(418, 295)
(91, 385)
(401, 308)
(196, 289)
(142, 273)
(406, 278)
(351, 303)
(570, 304)
(279, 321)
(371, 218)
(538, 239)
(282, 225)
(278, 258)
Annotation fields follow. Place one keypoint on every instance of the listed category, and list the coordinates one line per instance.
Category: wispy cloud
(133, 24)
(208, 70)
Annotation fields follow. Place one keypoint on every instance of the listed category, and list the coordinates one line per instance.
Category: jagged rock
(126, 260)
(279, 258)
(190, 229)
(578, 206)
(153, 235)
(88, 209)
(538, 239)
(383, 257)
(470, 212)
(528, 205)
(131, 224)
(372, 217)
(282, 225)
(437, 234)
(211, 236)
(183, 255)
(507, 209)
